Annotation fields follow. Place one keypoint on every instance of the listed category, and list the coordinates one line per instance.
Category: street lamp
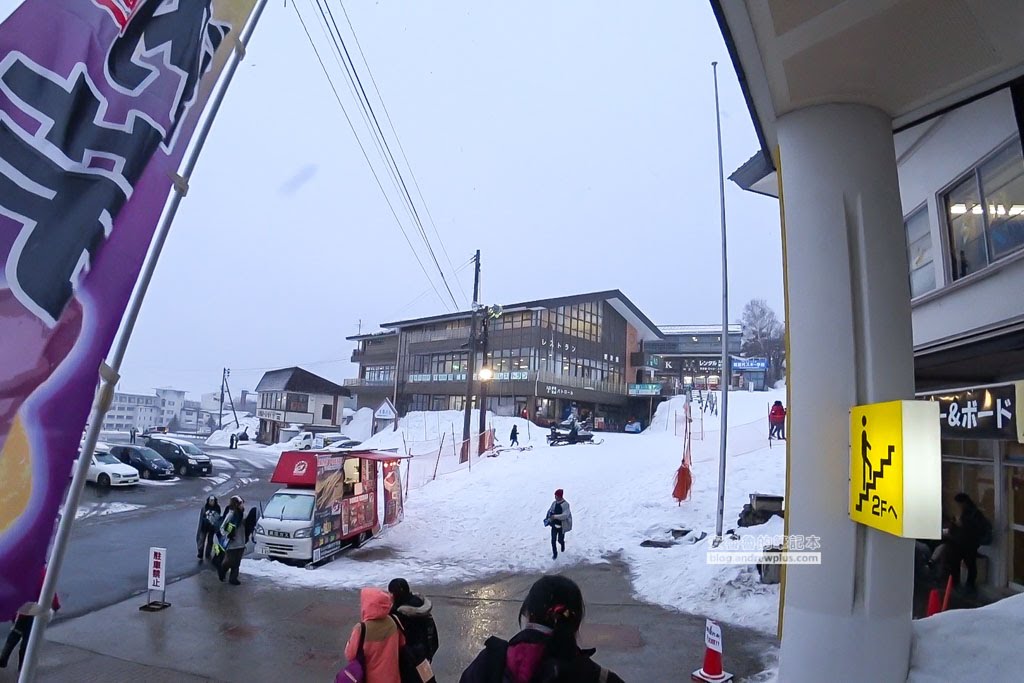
(486, 374)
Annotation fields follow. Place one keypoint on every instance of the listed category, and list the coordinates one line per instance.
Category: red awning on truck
(298, 468)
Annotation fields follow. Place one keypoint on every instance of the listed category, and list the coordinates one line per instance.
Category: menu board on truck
(327, 526)
(393, 512)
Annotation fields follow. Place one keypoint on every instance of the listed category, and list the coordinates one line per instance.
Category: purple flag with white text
(98, 101)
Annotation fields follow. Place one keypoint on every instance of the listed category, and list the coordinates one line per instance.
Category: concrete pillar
(848, 314)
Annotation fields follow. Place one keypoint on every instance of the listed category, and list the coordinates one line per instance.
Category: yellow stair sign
(896, 468)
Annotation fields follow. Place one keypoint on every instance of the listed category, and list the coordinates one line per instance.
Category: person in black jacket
(413, 613)
(968, 530)
(545, 650)
(513, 437)
(209, 523)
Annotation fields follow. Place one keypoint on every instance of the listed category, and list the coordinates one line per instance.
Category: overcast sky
(573, 143)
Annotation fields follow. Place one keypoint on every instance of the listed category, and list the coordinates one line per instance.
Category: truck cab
(330, 501)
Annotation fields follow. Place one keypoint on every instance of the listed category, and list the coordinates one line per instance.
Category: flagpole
(109, 371)
(724, 377)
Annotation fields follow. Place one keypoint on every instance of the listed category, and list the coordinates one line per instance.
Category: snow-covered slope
(471, 524)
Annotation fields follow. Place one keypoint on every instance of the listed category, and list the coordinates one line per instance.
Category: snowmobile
(571, 432)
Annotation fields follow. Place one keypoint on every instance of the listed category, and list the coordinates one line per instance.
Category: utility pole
(484, 324)
(220, 418)
(471, 365)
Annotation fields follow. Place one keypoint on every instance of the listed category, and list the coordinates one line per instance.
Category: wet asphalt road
(108, 556)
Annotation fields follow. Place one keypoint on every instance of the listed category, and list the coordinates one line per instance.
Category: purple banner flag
(98, 101)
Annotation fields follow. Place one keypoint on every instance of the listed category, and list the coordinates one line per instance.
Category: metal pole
(722, 383)
(468, 412)
(109, 370)
(484, 325)
(220, 418)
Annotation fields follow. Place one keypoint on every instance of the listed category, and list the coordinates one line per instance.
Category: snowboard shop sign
(896, 468)
(98, 101)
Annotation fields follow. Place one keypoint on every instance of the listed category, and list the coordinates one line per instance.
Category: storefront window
(977, 481)
(1015, 506)
(967, 448)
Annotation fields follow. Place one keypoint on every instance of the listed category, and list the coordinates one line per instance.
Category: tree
(173, 426)
(211, 423)
(764, 337)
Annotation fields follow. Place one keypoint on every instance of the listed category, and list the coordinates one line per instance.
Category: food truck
(330, 500)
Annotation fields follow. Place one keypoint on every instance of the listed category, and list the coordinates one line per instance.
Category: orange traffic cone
(712, 671)
(949, 593)
(934, 606)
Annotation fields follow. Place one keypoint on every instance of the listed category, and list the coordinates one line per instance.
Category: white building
(879, 129)
(132, 410)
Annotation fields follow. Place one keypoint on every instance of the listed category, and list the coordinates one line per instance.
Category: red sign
(296, 468)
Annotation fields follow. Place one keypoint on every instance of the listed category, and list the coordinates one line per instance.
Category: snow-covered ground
(222, 437)
(104, 509)
(472, 523)
(987, 644)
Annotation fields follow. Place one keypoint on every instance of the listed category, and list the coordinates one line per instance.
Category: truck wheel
(361, 539)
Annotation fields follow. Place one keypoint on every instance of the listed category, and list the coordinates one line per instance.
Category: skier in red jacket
(777, 422)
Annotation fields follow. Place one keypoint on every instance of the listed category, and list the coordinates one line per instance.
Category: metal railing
(358, 382)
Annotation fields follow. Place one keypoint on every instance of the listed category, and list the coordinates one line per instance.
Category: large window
(582, 321)
(985, 212)
(919, 246)
(298, 403)
(379, 373)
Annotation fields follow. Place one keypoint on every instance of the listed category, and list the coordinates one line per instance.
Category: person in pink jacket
(382, 640)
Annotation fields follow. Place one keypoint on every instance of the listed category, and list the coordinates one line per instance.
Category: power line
(365, 155)
(353, 75)
(401, 149)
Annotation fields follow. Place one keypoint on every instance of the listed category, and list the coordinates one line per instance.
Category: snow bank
(987, 647)
(222, 437)
(361, 425)
(468, 525)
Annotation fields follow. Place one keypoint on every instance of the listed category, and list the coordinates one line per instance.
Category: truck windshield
(289, 506)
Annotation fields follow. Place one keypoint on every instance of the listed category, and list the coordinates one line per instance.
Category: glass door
(1015, 500)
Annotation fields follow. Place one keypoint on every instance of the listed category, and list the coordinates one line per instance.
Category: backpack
(411, 668)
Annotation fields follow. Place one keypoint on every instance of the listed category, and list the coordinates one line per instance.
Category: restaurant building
(548, 357)
(293, 396)
(691, 355)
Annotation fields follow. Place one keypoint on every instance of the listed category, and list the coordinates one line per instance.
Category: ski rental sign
(98, 102)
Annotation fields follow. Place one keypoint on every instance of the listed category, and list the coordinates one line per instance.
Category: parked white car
(106, 470)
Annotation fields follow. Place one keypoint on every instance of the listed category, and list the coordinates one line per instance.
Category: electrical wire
(364, 101)
(365, 155)
(401, 149)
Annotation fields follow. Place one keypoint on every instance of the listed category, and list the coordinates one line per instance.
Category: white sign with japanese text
(713, 636)
(157, 569)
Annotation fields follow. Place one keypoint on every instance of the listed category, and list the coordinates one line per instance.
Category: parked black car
(184, 455)
(148, 462)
